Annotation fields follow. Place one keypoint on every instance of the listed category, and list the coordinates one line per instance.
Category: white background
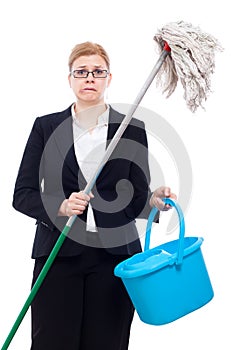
(36, 40)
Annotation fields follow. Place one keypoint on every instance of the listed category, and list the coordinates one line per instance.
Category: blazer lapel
(63, 136)
(115, 119)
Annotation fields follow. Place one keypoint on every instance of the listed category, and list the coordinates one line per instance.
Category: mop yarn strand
(192, 61)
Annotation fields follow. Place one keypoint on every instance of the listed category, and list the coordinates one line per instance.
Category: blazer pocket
(50, 227)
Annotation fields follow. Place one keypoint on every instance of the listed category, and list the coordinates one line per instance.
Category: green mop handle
(87, 190)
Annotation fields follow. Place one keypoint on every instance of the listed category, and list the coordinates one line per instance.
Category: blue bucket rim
(130, 268)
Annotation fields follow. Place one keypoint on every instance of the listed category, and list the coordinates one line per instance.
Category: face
(90, 90)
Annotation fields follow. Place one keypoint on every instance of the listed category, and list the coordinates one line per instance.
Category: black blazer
(49, 173)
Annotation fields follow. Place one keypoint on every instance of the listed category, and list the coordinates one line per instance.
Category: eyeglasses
(82, 73)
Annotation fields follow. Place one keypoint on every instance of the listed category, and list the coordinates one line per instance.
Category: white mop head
(191, 61)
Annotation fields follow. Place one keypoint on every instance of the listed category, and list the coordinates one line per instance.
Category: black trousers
(81, 305)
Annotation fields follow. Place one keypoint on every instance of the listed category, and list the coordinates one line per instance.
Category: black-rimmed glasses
(97, 73)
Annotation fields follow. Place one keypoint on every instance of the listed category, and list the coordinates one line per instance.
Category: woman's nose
(90, 77)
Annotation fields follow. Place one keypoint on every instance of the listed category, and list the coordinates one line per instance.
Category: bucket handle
(151, 217)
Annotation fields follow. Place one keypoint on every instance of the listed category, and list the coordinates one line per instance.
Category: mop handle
(87, 190)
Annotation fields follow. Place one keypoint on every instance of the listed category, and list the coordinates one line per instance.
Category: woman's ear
(69, 79)
(109, 79)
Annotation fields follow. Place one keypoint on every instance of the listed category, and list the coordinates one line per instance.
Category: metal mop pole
(87, 190)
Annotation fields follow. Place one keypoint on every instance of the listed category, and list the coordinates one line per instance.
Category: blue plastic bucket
(169, 281)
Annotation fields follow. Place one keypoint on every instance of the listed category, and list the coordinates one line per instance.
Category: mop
(186, 54)
(191, 61)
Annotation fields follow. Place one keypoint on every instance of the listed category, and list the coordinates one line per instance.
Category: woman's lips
(89, 89)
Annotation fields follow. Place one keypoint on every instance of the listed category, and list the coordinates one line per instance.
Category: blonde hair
(87, 49)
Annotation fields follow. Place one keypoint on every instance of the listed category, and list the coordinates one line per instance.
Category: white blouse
(89, 149)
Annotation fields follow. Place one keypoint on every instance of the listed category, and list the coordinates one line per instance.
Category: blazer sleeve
(28, 197)
(140, 177)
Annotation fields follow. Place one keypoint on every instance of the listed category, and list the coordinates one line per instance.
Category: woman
(81, 305)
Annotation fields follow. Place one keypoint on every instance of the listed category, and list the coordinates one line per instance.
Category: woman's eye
(82, 72)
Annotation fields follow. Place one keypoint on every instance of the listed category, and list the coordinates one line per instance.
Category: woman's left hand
(158, 194)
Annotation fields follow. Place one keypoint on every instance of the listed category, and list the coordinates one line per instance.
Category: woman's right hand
(75, 204)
